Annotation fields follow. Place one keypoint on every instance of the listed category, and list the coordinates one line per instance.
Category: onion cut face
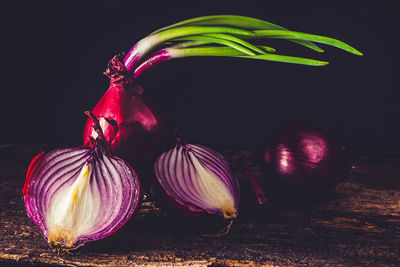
(199, 179)
(78, 195)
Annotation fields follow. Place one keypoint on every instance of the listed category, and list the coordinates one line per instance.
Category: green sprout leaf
(288, 59)
(230, 52)
(292, 35)
(193, 30)
(236, 40)
(211, 39)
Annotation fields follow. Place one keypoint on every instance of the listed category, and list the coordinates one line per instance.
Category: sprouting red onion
(199, 180)
(305, 160)
(78, 195)
(142, 131)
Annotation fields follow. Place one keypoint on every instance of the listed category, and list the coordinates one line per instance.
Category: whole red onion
(304, 162)
(142, 130)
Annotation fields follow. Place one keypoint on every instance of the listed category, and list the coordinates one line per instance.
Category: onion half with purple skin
(79, 195)
(200, 180)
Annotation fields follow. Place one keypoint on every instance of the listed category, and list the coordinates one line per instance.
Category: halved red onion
(78, 195)
(199, 179)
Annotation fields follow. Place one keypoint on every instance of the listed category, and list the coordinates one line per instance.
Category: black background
(57, 51)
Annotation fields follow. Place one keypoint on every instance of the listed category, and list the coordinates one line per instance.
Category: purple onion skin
(142, 130)
(303, 163)
(157, 58)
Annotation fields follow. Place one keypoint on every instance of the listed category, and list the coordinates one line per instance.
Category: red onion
(78, 195)
(305, 161)
(199, 180)
(141, 130)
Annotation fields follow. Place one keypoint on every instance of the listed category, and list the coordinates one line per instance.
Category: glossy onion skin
(142, 131)
(114, 191)
(184, 198)
(305, 160)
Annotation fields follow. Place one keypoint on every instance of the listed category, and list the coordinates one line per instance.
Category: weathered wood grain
(359, 225)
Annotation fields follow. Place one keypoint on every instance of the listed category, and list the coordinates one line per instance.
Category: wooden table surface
(358, 225)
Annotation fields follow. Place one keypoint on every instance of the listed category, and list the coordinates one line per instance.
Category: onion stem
(172, 53)
(145, 45)
(257, 189)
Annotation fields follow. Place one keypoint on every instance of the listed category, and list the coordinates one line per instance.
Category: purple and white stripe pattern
(78, 195)
(200, 179)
